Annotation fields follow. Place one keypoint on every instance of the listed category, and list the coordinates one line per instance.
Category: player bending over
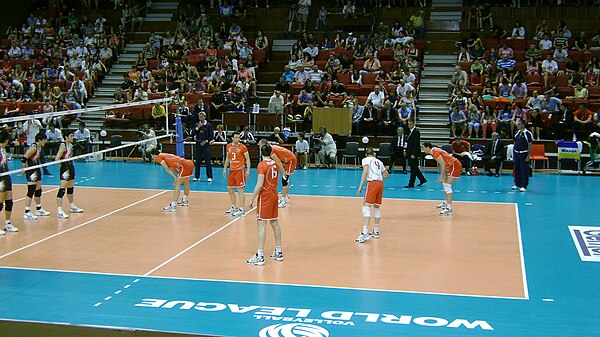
(181, 170)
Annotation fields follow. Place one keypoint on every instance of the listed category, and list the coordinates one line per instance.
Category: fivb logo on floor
(587, 241)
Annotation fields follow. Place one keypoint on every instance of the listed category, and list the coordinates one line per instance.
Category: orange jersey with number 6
(271, 171)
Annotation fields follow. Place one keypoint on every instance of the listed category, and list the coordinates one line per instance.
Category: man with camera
(327, 152)
(147, 134)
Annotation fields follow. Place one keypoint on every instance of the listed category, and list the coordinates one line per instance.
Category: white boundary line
(83, 224)
(265, 283)
(523, 271)
(195, 244)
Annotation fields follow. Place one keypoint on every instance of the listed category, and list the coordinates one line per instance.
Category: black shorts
(67, 172)
(5, 184)
(33, 176)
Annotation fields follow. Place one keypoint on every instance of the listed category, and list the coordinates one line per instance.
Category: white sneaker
(42, 212)
(231, 211)
(282, 203)
(75, 209)
(515, 187)
(363, 237)
(523, 189)
(10, 228)
(61, 215)
(170, 208)
(196, 179)
(276, 256)
(374, 235)
(445, 212)
(29, 216)
(256, 260)
(239, 213)
(2, 232)
(183, 203)
(442, 205)
(209, 180)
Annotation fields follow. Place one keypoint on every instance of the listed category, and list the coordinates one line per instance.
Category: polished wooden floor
(475, 252)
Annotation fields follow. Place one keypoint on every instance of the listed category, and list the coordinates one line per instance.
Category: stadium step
(165, 5)
(283, 45)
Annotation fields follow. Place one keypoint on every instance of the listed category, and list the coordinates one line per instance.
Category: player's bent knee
(9, 205)
(38, 193)
(366, 211)
(377, 213)
(30, 191)
(447, 188)
(285, 180)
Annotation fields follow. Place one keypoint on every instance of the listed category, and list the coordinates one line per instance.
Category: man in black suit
(564, 120)
(493, 153)
(398, 148)
(369, 117)
(413, 152)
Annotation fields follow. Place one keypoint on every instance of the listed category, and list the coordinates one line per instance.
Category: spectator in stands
(75, 97)
(534, 102)
(505, 117)
(461, 150)
(506, 63)
(368, 117)
(486, 16)
(377, 97)
(54, 138)
(301, 75)
(405, 113)
(303, 10)
(418, 22)
(238, 100)
(276, 136)
(489, 120)
(582, 122)
(83, 140)
(519, 90)
(560, 39)
(518, 31)
(458, 77)
(158, 115)
(475, 119)
(349, 10)
(328, 149)
(316, 75)
(387, 119)
(546, 43)
(560, 54)
(226, 10)
(246, 137)
(304, 98)
(458, 121)
(219, 102)
(493, 153)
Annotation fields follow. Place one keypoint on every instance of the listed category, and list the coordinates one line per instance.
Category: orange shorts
(290, 166)
(237, 178)
(374, 192)
(455, 169)
(267, 206)
(186, 169)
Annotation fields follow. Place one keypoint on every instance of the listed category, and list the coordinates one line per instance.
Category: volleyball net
(123, 108)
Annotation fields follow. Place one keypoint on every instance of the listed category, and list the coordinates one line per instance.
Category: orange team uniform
(374, 192)
(237, 163)
(287, 157)
(184, 167)
(267, 206)
(453, 165)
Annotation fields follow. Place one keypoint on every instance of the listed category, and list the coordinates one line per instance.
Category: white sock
(376, 229)
(260, 253)
(7, 222)
(73, 205)
(60, 209)
(173, 203)
(365, 230)
(449, 206)
(185, 198)
(277, 249)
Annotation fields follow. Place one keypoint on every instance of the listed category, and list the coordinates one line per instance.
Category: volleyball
(365, 140)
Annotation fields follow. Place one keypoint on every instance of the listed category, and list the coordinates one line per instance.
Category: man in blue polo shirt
(523, 140)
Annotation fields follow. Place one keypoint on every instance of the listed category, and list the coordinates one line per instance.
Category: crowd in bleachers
(59, 58)
(550, 81)
(376, 75)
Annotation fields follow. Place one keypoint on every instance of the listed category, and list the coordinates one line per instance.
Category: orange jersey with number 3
(237, 157)
(271, 171)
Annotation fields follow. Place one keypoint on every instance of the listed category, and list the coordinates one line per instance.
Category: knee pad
(366, 211)
(447, 188)
(61, 193)
(38, 193)
(9, 205)
(285, 180)
(30, 191)
(377, 213)
(70, 190)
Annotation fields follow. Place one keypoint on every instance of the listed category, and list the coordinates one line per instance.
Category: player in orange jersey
(450, 169)
(373, 173)
(181, 170)
(237, 158)
(287, 161)
(267, 210)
